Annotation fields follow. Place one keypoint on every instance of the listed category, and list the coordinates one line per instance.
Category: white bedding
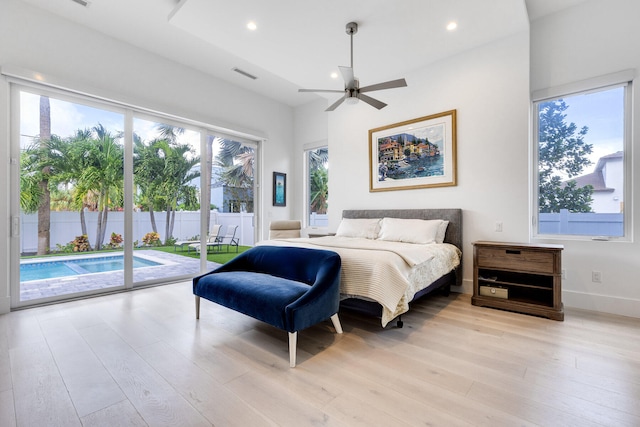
(387, 272)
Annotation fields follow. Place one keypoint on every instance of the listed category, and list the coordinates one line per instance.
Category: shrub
(80, 244)
(68, 248)
(115, 241)
(151, 239)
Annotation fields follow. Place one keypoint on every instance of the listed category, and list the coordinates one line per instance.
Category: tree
(148, 166)
(318, 180)
(319, 190)
(236, 162)
(44, 207)
(163, 169)
(102, 175)
(561, 151)
(178, 173)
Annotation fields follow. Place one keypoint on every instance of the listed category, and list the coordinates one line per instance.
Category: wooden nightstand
(519, 277)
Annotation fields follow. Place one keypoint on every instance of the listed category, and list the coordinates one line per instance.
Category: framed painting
(279, 189)
(418, 153)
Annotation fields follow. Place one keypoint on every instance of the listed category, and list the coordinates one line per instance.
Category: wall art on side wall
(418, 153)
(279, 189)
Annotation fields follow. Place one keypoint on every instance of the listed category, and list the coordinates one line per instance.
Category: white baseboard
(5, 304)
(602, 303)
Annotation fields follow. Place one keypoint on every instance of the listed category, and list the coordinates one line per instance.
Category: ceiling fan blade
(336, 104)
(386, 85)
(321, 90)
(347, 75)
(373, 102)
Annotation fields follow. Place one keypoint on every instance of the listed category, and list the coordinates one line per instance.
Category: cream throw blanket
(387, 272)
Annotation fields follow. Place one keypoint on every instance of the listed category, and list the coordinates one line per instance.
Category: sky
(603, 113)
(67, 117)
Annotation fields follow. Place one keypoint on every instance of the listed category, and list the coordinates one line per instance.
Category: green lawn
(220, 258)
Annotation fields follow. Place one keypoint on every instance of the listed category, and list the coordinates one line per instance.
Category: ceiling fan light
(352, 100)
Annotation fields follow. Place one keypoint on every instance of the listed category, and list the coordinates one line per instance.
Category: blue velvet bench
(289, 288)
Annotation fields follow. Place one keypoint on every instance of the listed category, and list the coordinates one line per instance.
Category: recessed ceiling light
(252, 26)
(334, 75)
(452, 25)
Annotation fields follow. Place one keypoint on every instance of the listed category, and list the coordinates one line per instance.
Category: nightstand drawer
(516, 259)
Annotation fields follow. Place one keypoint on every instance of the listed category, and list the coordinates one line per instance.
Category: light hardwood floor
(141, 358)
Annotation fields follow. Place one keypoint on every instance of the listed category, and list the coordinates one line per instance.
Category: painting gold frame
(417, 153)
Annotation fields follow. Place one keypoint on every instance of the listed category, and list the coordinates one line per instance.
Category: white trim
(594, 83)
(315, 145)
(602, 303)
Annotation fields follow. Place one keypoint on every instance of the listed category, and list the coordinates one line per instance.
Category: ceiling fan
(352, 90)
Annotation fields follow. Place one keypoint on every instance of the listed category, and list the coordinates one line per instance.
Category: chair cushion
(258, 295)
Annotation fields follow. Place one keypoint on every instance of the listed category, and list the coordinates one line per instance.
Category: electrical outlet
(498, 226)
(596, 276)
(564, 274)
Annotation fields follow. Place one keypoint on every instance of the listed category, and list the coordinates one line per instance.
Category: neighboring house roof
(596, 179)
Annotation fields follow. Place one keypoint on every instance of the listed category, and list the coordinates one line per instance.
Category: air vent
(81, 2)
(244, 73)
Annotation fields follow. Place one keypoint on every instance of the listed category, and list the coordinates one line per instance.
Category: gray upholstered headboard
(454, 216)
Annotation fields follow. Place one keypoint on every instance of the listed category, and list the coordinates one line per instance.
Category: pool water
(74, 267)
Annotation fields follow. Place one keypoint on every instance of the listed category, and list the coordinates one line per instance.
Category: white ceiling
(298, 43)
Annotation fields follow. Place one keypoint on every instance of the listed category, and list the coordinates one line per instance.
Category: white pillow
(418, 231)
(366, 228)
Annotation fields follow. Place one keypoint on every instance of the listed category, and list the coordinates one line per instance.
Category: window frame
(621, 79)
(306, 189)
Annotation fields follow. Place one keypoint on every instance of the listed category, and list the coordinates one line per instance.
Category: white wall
(489, 88)
(86, 60)
(590, 40)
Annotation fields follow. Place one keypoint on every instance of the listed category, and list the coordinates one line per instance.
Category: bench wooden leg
(336, 323)
(197, 307)
(293, 343)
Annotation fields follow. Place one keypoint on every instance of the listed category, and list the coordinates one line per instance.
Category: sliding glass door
(167, 213)
(108, 198)
(71, 159)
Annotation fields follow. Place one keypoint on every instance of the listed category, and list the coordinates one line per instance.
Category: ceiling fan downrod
(351, 29)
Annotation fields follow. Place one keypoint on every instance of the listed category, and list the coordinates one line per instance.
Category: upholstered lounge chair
(289, 288)
(284, 229)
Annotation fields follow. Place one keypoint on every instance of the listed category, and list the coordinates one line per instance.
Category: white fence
(585, 224)
(65, 226)
(318, 220)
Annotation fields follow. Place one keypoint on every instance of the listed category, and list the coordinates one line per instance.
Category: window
(581, 166)
(317, 187)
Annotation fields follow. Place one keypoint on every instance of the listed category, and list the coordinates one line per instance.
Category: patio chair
(229, 239)
(214, 237)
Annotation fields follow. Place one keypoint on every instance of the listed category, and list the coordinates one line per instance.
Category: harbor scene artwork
(417, 153)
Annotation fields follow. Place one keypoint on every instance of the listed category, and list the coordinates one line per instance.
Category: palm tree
(319, 190)
(44, 209)
(318, 180)
(163, 171)
(178, 173)
(106, 176)
(148, 166)
(237, 164)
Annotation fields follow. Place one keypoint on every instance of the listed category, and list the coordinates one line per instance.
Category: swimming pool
(76, 266)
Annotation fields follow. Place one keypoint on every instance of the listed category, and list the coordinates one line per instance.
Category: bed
(384, 269)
